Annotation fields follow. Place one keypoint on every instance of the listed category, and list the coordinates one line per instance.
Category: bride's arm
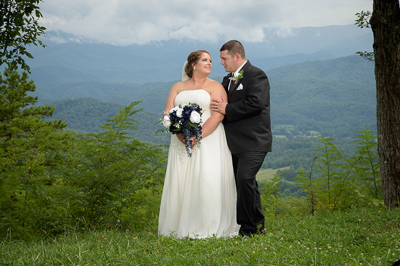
(171, 97)
(216, 92)
(170, 104)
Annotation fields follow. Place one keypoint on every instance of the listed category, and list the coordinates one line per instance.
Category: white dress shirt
(236, 72)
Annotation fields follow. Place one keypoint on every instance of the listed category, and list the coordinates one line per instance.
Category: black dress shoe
(260, 229)
(396, 263)
(246, 234)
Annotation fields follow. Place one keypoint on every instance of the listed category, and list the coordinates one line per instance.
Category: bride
(199, 195)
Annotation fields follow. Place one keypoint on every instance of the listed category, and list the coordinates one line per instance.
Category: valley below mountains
(318, 85)
(328, 97)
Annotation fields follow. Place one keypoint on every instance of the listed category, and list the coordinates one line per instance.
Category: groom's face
(228, 62)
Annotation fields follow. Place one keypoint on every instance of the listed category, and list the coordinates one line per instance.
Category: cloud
(124, 22)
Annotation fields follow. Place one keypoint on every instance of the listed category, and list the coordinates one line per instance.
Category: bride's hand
(180, 137)
(194, 141)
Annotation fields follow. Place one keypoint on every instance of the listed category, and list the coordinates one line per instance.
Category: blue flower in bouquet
(185, 120)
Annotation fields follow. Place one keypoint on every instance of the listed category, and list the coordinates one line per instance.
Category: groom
(248, 130)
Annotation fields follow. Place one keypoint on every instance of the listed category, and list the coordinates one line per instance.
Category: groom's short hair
(234, 47)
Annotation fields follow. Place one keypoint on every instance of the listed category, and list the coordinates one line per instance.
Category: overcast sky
(124, 22)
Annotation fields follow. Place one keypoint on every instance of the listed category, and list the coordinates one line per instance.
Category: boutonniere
(238, 76)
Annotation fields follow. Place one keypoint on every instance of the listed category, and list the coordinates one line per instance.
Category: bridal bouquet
(185, 119)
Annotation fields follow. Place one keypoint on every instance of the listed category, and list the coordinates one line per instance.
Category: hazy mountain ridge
(87, 115)
(315, 84)
(327, 80)
(163, 61)
(335, 97)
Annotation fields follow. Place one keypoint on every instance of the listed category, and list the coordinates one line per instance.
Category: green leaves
(363, 21)
(368, 169)
(110, 167)
(344, 181)
(17, 113)
(49, 180)
(270, 196)
(53, 181)
(19, 28)
(369, 56)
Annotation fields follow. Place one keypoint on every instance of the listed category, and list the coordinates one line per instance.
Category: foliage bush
(335, 182)
(52, 182)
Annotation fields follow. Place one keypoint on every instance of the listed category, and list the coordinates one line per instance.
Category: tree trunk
(385, 24)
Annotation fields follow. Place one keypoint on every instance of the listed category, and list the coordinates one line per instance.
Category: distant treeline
(334, 97)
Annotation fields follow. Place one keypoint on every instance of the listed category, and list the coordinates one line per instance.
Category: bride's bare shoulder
(215, 89)
(179, 86)
(214, 85)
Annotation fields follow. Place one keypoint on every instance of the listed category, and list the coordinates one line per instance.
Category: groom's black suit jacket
(247, 120)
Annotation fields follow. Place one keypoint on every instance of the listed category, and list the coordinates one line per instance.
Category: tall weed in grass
(270, 196)
(343, 182)
(358, 237)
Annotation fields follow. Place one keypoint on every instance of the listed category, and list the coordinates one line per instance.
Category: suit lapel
(233, 87)
(225, 82)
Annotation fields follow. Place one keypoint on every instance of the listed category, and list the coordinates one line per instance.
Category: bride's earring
(194, 68)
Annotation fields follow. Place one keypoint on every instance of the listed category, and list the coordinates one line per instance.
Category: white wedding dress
(199, 195)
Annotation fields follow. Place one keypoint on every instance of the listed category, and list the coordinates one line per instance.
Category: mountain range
(335, 97)
(317, 83)
(66, 58)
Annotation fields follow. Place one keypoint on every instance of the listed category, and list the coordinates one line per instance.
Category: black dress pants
(249, 210)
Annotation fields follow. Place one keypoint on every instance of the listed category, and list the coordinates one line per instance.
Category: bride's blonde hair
(192, 59)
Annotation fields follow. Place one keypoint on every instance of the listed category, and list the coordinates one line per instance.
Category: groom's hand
(219, 105)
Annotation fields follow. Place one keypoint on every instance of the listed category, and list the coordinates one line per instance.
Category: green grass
(285, 126)
(269, 173)
(365, 237)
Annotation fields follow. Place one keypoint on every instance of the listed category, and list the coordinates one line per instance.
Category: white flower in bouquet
(179, 112)
(195, 117)
(166, 122)
(186, 120)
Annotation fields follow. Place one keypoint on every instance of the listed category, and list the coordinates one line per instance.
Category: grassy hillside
(269, 173)
(358, 237)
